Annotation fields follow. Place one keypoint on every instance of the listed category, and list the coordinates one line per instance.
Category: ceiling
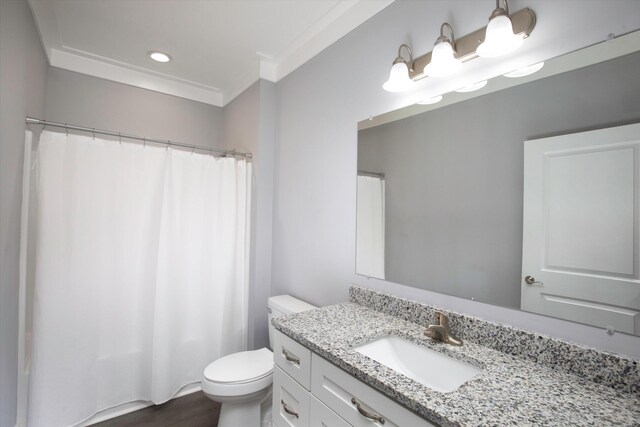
(219, 47)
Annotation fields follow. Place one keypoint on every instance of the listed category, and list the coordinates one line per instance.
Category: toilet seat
(237, 374)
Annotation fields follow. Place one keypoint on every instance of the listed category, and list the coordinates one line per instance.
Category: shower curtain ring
(93, 131)
(144, 142)
(120, 138)
(168, 144)
(193, 149)
(66, 129)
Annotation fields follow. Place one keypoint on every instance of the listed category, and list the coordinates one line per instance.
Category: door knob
(530, 280)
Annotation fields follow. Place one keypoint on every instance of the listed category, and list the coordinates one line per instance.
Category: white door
(581, 227)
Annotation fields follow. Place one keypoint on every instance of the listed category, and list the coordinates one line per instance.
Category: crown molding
(336, 23)
(106, 68)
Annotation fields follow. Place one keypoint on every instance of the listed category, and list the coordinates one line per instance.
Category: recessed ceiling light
(429, 101)
(472, 87)
(525, 71)
(159, 56)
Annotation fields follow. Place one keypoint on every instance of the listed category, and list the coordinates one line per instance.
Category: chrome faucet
(441, 331)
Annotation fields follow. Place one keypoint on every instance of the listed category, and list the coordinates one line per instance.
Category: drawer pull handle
(290, 357)
(371, 415)
(288, 410)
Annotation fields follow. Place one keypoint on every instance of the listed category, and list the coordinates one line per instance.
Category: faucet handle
(441, 331)
(442, 318)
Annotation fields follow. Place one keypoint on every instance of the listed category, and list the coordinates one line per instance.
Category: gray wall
(454, 192)
(319, 106)
(23, 72)
(249, 124)
(103, 104)
(264, 164)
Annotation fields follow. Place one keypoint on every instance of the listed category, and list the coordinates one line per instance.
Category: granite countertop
(508, 391)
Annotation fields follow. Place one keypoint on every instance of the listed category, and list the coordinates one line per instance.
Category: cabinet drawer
(290, 401)
(345, 394)
(321, 416)
(293, 358)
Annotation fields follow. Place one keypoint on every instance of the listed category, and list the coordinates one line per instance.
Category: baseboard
(133, 406)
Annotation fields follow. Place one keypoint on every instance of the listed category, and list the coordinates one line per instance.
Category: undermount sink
(428, 367)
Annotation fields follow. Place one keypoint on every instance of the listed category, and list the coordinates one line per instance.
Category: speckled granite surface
(508, 391)
(612, 370)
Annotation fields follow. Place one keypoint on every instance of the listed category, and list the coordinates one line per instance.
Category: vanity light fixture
(430, 101)
(472, 87)
(443, 60)
(486, 41)
(159, 56)
(526, 71)
(499, 38)
(399, 80)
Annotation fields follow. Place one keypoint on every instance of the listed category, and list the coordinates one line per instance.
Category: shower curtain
(370, 227)
(141, 273)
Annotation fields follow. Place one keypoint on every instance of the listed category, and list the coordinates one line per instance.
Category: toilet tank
(284, 304)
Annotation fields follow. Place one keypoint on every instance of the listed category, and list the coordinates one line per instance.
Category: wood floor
(192, 410)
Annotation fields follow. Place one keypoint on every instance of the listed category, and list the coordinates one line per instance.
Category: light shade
(430, 101)
(499, 39)
(399, 80)
(526, 71)
(443, 62)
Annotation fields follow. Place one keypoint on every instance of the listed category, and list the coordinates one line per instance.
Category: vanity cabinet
(323, 416)
(293, 358)
(312, 392)
(291, 402)
(359, 404)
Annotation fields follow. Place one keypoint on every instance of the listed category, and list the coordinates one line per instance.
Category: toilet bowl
(242, 381)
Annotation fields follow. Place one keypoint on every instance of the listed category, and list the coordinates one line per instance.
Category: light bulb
(443, 62)
(499, 38)
(399, 80)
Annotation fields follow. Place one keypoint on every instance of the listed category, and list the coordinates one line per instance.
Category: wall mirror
(523, 194)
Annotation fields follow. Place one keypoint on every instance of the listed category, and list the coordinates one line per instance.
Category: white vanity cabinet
(323, 416)
(291, 382)
(359, 404)
(291, 402)
(312, 392)
(293, 358)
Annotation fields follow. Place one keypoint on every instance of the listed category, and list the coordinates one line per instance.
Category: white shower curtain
(141, 273)
(370, 227)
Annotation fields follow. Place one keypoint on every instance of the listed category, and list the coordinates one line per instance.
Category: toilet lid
(245, 366)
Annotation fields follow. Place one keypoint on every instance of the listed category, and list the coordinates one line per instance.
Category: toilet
(242, 381)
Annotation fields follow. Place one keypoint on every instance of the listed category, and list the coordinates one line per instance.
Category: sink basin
(428, 367)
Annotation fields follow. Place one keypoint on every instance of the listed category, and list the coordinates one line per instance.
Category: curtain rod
(33, 121)
(373, 174)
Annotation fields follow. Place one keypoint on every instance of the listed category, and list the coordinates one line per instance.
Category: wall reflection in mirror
(525, 197)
